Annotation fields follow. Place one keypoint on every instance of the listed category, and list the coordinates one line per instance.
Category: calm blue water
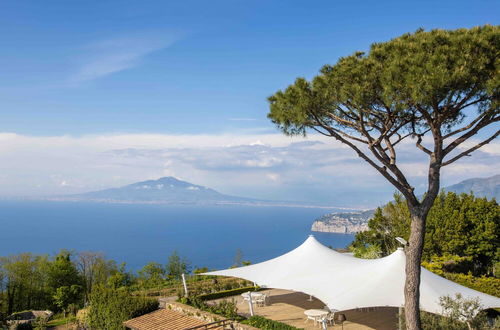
(205, 235)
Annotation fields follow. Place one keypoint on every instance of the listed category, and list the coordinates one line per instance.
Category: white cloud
(277, 167)
(114, 55)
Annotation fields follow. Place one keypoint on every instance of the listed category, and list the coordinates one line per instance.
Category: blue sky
(135, 68)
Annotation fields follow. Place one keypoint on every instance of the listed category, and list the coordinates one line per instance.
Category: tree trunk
(413, 259)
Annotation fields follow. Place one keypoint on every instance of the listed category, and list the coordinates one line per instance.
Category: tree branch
(464, 137)
(402, 186)
(420, 146)
(391, 150)
(350, 136)
(340, 120)
(472, 123)
(468, 151)
(401, 138)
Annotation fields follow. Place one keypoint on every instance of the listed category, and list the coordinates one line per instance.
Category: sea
(206, 236)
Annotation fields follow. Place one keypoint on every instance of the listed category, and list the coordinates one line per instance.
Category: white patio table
(315, 314)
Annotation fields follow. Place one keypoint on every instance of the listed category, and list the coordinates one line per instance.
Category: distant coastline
(183, 203)
(172, 191)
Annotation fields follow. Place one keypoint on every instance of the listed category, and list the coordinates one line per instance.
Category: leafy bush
(267, 324)
(227, 293)
(459, 314)
(226, 308)
(40, 323)
(366, 252)
(496, 269)
(200, 270)
(489, 285)
(448, 264)
(109, 308)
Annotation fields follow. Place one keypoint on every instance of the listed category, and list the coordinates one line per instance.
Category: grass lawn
(61, 321)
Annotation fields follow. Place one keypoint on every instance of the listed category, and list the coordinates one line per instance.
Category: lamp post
(341, 318)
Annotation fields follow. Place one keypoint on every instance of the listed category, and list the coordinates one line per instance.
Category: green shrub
(267, 324)
(227, 293)
(109, 308)
(448, 264)
(459, 313)
(496, 269)
(366, 252)
(40, 323)
(226, 308)
(434, 322)
(200, 270)
(489, 285)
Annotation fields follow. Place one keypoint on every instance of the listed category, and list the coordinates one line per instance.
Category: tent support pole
(185, 285)
(250, 302)
(400, 318)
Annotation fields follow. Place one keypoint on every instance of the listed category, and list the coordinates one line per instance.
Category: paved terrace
(288, 307)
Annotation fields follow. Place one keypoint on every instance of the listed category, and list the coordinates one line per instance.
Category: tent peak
(311, 239)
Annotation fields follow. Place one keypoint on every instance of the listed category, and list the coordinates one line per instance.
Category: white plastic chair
(261, 300)
(330, 318)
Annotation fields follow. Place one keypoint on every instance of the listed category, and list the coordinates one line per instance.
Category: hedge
(227, 293)
(225, 308)
(267, 324)
(109, 308)
(489, 285)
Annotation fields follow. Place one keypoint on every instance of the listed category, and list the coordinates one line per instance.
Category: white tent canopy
(343, 282)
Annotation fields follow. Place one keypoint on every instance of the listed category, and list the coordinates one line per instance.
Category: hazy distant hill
(482, 187)
(164, 190)
(354, 222)
(169, 190)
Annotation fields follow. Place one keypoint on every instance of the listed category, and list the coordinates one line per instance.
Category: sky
(97, 94)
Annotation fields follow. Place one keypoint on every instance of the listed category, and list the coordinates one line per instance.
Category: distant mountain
(169, 190)
(353, 222)
(164, 190)
(482, 187)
